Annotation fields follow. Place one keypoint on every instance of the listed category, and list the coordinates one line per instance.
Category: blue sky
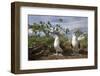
(70, 22)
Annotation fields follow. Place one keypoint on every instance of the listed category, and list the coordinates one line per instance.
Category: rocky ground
(48, 54)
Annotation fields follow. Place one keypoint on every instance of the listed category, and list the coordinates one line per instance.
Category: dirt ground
(49, 55)
(53, 57)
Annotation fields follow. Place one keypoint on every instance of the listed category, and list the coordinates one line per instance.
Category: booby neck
(56, 41)
(56, 37)
(74, 37)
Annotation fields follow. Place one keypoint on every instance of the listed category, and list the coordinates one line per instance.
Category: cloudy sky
(71, 22)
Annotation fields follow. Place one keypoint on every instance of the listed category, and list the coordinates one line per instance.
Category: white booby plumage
(30, 32)
(76, 43)
(56, 42)
(57, 45)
